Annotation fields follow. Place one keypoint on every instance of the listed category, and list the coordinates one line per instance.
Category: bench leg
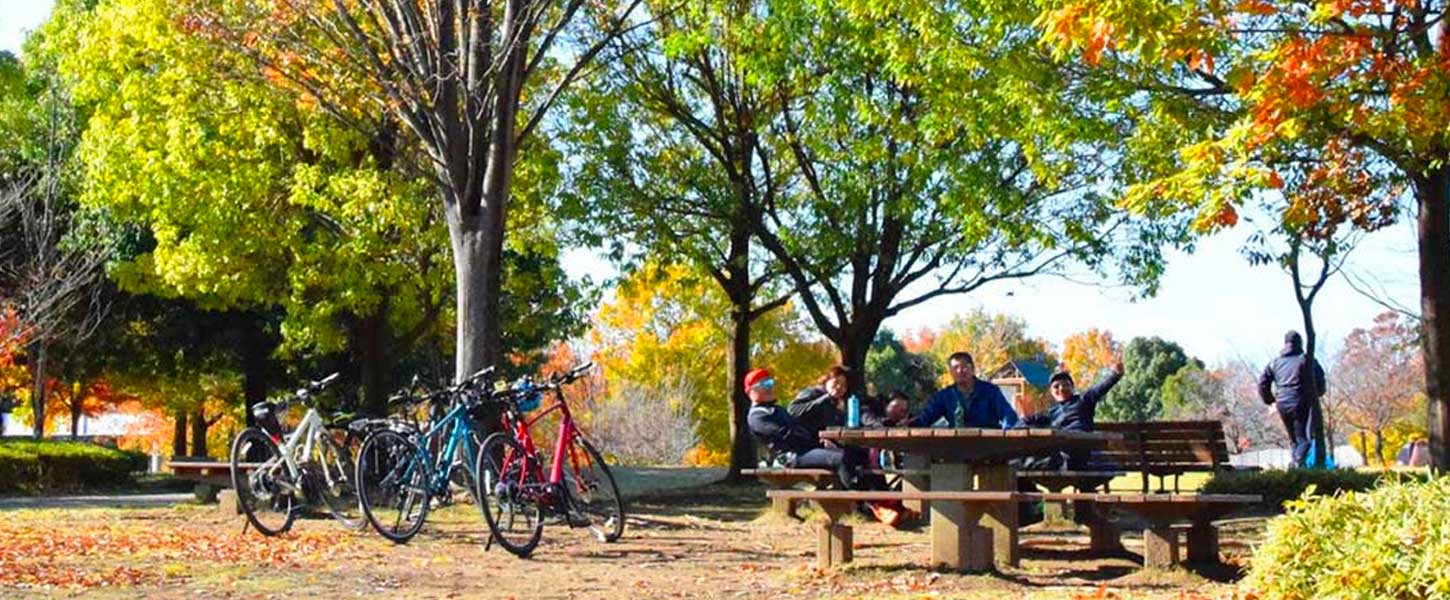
(834, 546)
(783, 506)
(1203, 543)
(1160, 546)
(227, 503)
(834, 542)
(914, 483)
(1054, 512)
(1104, 537)
(1001, 518)
(205, 492)
(957, 541)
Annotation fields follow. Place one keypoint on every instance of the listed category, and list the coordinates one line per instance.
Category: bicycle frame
(305, 434)
(441, 471)
(567, 433)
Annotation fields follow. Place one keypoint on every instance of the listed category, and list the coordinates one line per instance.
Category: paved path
(633, 481)
(103, 501)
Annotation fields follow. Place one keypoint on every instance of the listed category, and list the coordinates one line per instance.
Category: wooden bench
(781, 478)
(1161, 511)
(1164, 448)
(211, 477)
(1082, 481)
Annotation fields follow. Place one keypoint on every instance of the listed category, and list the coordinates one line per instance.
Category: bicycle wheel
(266, 490)
(508, 490)
(392, 477)
(593, 493)
(335, 479)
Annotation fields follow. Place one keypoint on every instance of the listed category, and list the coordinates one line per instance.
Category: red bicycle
(517, 495)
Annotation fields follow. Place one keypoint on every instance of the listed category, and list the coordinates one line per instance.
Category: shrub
(1392, 542)
(29, 466)
(641, 425)
(1281, 486)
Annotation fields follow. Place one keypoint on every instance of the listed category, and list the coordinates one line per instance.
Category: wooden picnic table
(967, 459)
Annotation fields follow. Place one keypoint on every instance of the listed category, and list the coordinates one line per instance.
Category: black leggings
(846, 463)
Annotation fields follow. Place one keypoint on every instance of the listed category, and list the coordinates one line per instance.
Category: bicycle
(398, 474)
(514, 492)
(273, 483)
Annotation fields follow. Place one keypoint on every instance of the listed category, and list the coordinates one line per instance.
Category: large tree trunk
(369, 341)
(741, 293)
(854, 344)
(36, 357)
(198, 432)
(742, 446)
(1432, 192)
(477, 263)
(178, 434)
(256, 348)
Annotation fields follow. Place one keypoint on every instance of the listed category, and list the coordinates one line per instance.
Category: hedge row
(30, 467)
(1281, 486)
(1390, 542)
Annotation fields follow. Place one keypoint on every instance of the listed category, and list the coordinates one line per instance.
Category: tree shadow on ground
(731, 503)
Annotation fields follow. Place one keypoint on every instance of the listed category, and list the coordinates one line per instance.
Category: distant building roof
(1033, 372)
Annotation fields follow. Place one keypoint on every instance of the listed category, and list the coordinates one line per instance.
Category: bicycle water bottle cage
(266, 414)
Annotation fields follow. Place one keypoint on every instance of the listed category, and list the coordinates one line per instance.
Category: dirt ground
(693, 542)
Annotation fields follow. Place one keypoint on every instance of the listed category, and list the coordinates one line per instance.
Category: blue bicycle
(400, 473)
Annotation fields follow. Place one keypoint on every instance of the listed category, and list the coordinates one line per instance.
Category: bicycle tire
(267, 489)
(515, 518)
(337, 482)
(594, 493)
(392, 477)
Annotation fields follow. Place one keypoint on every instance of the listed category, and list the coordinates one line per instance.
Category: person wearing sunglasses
(787, 439)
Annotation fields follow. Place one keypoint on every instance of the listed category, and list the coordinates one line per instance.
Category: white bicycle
(274, 483)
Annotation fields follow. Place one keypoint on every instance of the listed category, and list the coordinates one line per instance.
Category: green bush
(29, 466)
(1281, 486)
(1392, 542)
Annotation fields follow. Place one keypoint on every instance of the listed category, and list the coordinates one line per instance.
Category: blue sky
(1211, 302)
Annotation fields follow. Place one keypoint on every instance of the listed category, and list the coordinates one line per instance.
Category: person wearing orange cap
(787, 439)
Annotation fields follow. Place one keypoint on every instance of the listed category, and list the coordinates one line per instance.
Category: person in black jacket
(824, 404)
(786, 438)
(1073, 412)
(1285, 384)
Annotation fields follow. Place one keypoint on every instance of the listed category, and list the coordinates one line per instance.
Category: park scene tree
(628, 286)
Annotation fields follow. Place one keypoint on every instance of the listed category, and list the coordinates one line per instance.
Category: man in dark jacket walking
(1287, 384)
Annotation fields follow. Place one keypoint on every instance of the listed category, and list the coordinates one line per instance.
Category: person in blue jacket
(968, 402)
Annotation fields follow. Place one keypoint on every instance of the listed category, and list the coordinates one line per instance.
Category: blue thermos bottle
(853, 412)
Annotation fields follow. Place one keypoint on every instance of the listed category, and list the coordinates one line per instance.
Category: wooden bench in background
(213, 479)
(1161, 511)
(1164, 448)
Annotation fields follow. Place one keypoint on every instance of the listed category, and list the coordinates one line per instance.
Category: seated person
(1073, 412)
(823, 404)
(896, 410)
(774, 427)
(968, 402)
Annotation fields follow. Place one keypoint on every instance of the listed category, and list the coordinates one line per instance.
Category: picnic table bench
(973, 543)
(211, 478)
(785, 478)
